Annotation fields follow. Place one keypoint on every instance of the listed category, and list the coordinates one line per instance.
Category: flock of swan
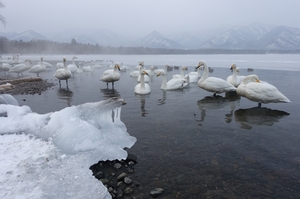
(249, 86)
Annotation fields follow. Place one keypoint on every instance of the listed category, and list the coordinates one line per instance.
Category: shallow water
(193, 145)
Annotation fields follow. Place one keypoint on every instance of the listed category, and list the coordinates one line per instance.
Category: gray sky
(140, 17)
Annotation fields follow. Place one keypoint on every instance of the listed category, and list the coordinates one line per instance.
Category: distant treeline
(51, 47)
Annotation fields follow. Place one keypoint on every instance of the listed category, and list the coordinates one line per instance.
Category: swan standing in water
(142, 88)
(146, 77)
(258, 91)
(172, 84)
(73, 67)
(235, 79)
(20, 68)
(213, 84)
(63, 73)
(112, 75)
(37, 69)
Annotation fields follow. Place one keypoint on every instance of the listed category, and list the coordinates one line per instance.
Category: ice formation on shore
(48, 155)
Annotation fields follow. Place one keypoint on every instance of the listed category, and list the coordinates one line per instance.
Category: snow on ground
(49, 155)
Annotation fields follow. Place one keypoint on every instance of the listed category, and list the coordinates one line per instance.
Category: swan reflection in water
(163, 99)
(231, 100)
(109, 93)
(144, 112)
(65, 94)
(258, 116)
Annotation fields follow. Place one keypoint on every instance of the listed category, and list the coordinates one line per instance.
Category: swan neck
(164, 82)
(205, 73)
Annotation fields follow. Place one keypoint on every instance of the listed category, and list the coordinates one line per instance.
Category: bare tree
(2, 19)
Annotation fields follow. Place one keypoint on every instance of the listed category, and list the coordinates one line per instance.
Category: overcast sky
(140, 17)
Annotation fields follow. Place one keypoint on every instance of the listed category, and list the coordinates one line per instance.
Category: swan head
(251, 78)
(141, 63)
(64, 59)
(233, 66)
(75, 57)
(42, 58)
(201, 64)
(184, 68)
(160, 74)
(144, 73)
(117, 66)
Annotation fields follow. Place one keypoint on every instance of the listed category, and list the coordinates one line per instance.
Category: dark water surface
(193, 145)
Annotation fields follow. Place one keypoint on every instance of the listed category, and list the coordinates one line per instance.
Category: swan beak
(145, 73)
(257, 80)
(158, 75)
(119, 68)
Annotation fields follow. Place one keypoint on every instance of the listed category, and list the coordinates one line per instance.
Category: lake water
(193, 145)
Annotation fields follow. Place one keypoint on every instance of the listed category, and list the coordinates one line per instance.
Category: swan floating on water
(213, 84)
(111, 76)
(172, 84)
(73, 67)
(39, 68)
(235, 79)
(63, 73)
(259, 91)
(142, 87)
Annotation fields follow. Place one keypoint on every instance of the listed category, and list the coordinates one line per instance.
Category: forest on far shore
(51, 47)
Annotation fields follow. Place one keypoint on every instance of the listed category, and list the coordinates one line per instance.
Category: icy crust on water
(49, 155)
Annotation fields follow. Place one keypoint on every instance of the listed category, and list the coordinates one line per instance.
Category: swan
(137, 72)
(172, 84)
(165, 70)
(96, 64)
(73, 67)
(88, 68)
(111, 75)
(63, 73)
(142, 88)
(79, 69)
(181, 75)
(47, 64)
(259, 91)
(194, 76)
(20, 68)
(4, 66)
(37, 69)
(213, 84)
(59, 65)
(146, 77)
(235, 79)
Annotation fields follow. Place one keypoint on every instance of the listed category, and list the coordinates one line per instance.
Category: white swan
(146, 77)
(235, 79)
(137, 70)
(39, 68)
(73, 67)
(165, 70)
(181, 75)
(20, 68)
(88, 68)
(172, 84)
(142, 88)
(47, 64)
(213, 84)
(79, 69)
(258, 91)
(63, 73)
(111, 76)
(195, 76)
(4, 66)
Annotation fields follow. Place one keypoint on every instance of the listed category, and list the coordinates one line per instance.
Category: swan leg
(67, 83)
(59, 83)
(113, 85)
(259, 105)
